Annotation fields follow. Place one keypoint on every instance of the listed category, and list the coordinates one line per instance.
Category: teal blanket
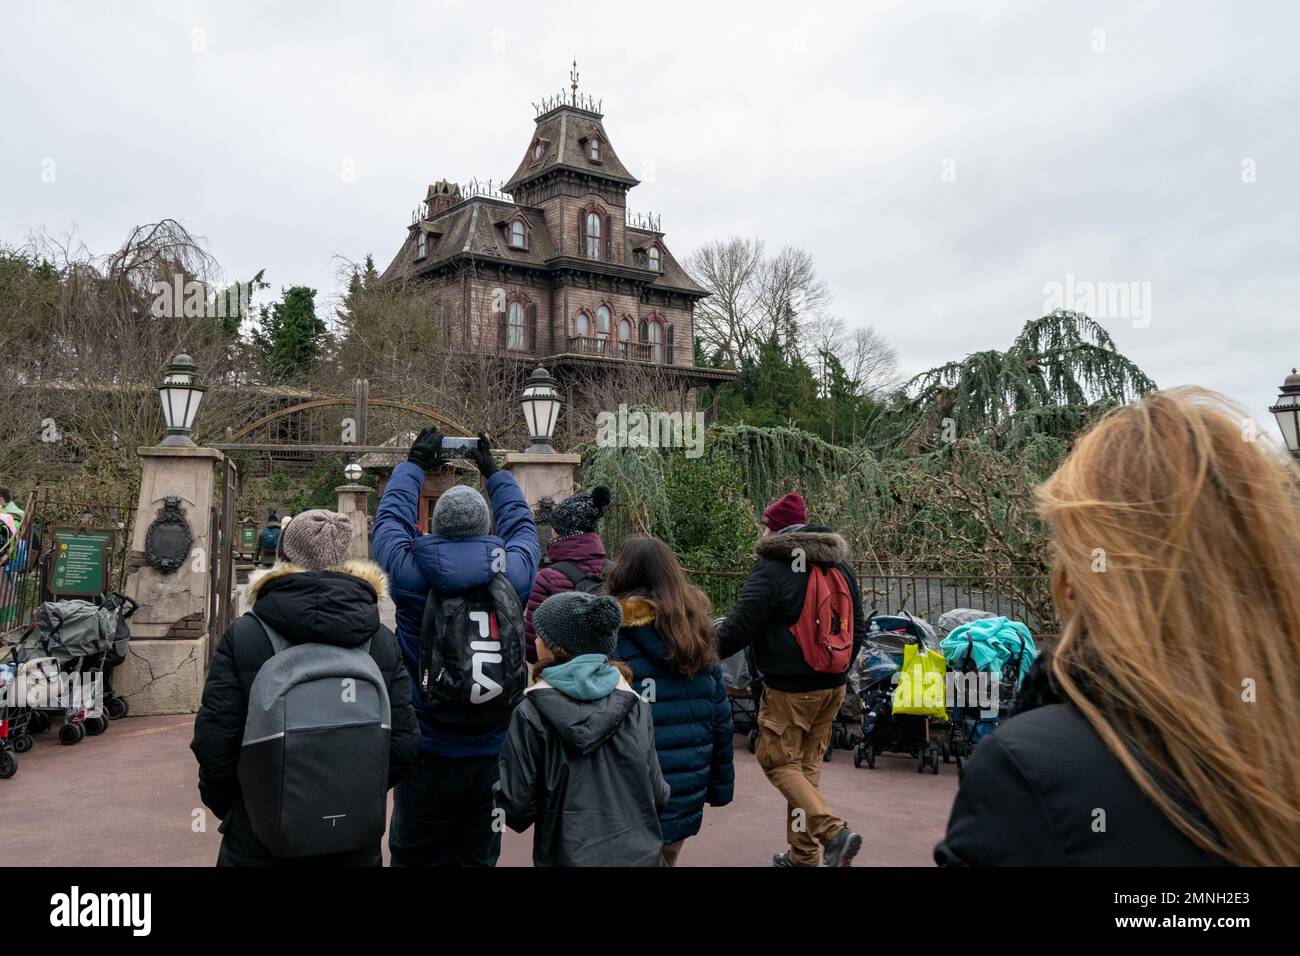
(991, 643)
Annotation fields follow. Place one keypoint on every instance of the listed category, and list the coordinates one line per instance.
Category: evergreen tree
(291, 336)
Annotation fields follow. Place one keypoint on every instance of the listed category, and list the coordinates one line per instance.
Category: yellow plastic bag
(921, 688)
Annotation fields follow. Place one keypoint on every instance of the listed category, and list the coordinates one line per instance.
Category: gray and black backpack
(313, 767)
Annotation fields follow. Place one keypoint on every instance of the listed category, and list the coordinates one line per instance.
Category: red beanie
(785, 511)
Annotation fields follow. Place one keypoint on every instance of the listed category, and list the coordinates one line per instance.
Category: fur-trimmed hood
(339, 605)
(819, 544)
(637, 610)
(362, 568)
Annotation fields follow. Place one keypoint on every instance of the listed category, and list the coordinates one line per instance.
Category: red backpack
(824, 631)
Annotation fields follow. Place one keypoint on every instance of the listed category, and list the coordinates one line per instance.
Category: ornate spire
(573, 80)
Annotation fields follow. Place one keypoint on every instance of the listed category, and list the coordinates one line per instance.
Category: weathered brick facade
(552, 266)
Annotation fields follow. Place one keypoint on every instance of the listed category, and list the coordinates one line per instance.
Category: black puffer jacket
(586, 774)
(1044, 790)
(770, 603)
(339, 607)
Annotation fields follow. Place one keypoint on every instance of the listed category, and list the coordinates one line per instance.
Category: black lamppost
(1287, 413)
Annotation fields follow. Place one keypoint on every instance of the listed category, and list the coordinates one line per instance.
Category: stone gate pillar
(165, 670)
(546, 475)
(354, 501)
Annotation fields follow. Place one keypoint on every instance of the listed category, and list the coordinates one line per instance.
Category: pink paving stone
(128, 798)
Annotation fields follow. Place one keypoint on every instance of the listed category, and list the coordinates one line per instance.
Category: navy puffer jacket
(417, 564)
(692, 721)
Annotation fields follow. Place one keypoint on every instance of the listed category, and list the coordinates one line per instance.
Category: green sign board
(80, 561)
(248, 539)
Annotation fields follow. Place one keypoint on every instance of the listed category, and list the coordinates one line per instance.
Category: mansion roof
(477, 228)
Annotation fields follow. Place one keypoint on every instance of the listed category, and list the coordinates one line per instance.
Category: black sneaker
(783, 859)
(841, 850)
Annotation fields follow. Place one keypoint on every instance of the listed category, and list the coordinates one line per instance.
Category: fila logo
(484, 652)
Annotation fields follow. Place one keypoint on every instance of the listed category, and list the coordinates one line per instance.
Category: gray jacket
(585, 774)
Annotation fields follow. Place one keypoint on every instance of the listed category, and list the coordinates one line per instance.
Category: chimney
(442, 195)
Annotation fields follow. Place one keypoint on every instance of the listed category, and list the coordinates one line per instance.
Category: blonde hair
(1177, 579)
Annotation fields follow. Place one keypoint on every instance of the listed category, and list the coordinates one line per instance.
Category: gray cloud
(820, 125)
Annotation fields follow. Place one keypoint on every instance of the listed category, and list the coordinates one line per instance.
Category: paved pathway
(128, 798)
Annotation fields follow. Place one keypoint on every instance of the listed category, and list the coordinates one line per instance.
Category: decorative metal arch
(433, 414)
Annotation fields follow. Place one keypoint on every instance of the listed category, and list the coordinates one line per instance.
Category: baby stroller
(64, 663)
(992, 651)
(15, 721)
(744, 691)
(883, 731)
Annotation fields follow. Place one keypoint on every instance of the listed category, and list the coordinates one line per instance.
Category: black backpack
(580, 579)
(472, 665)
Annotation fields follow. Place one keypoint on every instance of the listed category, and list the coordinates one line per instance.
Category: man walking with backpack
(306, 719)
(801, 609)
(459, 594)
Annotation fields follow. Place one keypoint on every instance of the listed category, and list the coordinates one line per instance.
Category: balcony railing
(611, 348)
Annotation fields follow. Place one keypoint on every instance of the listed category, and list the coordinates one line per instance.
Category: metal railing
(24, 583)
(1021, 593)
(607, 347)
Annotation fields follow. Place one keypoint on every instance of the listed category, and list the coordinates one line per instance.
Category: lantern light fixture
(541, 401)
(180, 394)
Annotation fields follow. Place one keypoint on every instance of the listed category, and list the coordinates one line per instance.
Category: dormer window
(518, 235)
(593, 149)
(539, 150)
(421, 244)
(652, 259)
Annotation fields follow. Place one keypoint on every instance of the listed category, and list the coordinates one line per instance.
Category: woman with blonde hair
(1157, 731)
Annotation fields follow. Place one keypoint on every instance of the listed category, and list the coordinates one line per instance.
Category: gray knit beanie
(461, 512)
(579, 622)
(316, 540)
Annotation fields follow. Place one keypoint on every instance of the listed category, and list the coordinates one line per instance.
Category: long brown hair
(647, 568)
(1175, 574)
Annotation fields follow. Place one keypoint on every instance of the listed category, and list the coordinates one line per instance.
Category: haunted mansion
(551, 266)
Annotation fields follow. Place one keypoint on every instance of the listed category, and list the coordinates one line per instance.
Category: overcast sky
(944, 163)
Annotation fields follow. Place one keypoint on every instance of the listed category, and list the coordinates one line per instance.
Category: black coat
(339, 607)
(585, 774)
(1035, 790)
(770, 602)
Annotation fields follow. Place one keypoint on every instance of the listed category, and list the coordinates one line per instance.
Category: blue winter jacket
(692, 721)
(417, 564)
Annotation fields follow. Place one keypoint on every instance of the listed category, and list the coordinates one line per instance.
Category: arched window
(602, 323)
(516, 337)
(582, 324)
(594, 143)
(653, 258)
(656, 341)
(518, 234)
(624, 336)
(420, 244)
(593, 235)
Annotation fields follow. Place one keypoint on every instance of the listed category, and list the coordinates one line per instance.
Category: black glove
(481, 455)
(427, 448)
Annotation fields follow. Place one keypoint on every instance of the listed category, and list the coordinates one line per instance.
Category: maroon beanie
(785, 511)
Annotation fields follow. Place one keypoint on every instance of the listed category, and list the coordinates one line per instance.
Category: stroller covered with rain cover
(744, 692)
(877, 671)
(64, 663)
(991, 656)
